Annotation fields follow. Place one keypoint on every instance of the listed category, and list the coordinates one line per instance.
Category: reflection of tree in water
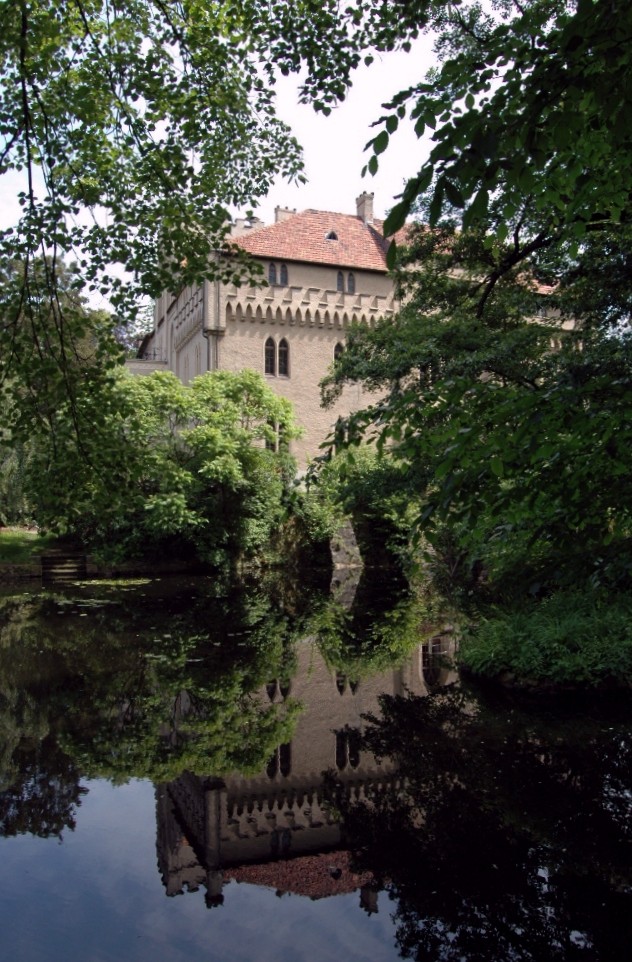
(513, 837)
(44, 793)
(145, 683)
(384, 623)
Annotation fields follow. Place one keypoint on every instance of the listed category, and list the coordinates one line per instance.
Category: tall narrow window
(351, 284)
(272, 274)
(284, 358)
(285, 759)
(284, 277)
(340, 281)
(270, 357)
(338, 350)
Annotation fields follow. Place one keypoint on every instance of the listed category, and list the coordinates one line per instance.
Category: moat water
(272, 770)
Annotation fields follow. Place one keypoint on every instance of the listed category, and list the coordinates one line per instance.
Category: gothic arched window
(340, 281)
(270, 357)
(284, 358)
(351, 284)
(272, 274)
(284, 276)
(338, 350)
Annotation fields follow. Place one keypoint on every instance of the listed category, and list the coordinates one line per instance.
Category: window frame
(270, 357)
(283, 358)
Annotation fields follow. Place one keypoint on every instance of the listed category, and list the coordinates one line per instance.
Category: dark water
(208, 771)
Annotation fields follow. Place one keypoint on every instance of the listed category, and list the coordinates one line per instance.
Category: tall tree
(126, 131)
(505, 395)
(168, 467)
(530, 98)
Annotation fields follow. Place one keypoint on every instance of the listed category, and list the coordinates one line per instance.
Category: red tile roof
(303, 237)
(313, 876)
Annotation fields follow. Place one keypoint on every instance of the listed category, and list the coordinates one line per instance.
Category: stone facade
(322, 272)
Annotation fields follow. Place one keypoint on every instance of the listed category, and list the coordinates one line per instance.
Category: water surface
(268, 770)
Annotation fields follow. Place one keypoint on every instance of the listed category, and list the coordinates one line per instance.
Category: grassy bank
(22, 545)
(575, 637)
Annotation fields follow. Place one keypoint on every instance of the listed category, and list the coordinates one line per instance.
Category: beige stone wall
(311, 352)
(312, 317)
(219, 326)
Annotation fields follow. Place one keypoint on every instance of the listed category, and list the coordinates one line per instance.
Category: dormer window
(351, 284)
(340, 281)
(280, 276)
(331, 235)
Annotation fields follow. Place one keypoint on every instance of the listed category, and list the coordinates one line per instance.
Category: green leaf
(391, 256)
(395, 219)
(380, 143)
(497, 466)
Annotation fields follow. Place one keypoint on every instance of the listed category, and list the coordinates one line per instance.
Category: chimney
(364, 207)
(243, 225)
(283, 213)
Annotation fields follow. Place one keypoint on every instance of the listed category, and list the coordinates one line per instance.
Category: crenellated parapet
(306, 307)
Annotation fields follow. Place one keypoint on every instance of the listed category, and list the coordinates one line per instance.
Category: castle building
(322, 272)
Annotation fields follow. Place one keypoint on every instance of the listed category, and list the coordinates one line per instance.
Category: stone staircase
(63, 565)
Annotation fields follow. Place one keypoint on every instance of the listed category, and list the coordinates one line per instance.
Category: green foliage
(14, 506)
(54, 352)
(367, 637)
(154, 115)
(571, 637)
(169, 468)
(373, 488)
(529, 100)
(127, 131)
(508, 412)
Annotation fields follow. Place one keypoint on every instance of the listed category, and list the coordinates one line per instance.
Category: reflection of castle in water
(275, 828)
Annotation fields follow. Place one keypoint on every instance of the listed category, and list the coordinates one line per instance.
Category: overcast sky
(334, 145)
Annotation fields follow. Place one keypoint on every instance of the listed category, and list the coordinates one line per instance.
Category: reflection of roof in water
(313, 876)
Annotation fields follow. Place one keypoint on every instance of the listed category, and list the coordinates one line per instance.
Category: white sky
(334, 146)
